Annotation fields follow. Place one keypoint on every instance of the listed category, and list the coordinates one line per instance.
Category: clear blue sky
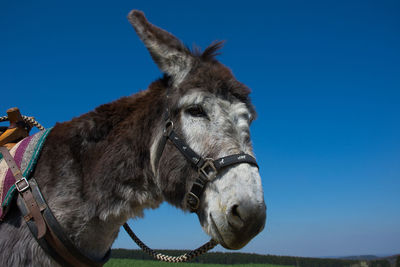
(325, 77)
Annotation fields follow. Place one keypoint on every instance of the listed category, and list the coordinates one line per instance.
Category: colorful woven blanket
(25, 154)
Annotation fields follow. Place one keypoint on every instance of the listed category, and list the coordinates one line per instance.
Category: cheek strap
(206, 168)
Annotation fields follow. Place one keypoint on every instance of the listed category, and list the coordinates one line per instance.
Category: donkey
(104, 167)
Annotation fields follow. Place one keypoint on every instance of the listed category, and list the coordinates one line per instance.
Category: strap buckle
(208, 169)
(25, 185)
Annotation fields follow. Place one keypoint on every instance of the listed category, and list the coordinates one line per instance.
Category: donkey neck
(95, 170)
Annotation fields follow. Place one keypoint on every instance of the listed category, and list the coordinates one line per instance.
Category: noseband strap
(207, 168)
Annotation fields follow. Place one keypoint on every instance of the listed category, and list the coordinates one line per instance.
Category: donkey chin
(232, 209)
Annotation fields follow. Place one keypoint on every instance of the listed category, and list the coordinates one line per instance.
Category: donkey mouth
(216, 234)
(235, 236)
(214, 229)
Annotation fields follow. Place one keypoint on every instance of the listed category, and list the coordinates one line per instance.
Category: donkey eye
(196, 111)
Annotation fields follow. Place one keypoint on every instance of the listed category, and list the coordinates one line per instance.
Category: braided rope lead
(161, 257)
(4, 118)
(30, 120)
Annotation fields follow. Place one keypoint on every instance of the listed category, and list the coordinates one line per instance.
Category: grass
(148, 263)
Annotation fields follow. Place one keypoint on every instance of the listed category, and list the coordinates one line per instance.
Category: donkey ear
(167, 51)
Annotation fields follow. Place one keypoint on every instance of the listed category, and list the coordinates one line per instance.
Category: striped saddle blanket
(26, 154)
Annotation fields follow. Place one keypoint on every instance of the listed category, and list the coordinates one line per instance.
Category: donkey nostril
(235, 218)
(235, 211)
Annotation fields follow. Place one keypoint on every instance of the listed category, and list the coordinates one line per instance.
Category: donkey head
(211, 112)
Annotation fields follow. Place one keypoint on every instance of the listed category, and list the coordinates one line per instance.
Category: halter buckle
(205, 169)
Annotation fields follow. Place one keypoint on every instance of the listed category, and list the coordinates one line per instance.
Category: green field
(147, 263)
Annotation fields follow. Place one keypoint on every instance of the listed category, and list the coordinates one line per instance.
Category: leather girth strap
(56, 243)
(22, 186)
(42, 223)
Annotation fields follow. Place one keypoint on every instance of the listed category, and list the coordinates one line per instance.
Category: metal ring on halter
(193, 200)
(169, 126)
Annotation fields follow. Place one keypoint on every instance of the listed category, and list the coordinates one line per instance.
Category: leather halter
(207, 168)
